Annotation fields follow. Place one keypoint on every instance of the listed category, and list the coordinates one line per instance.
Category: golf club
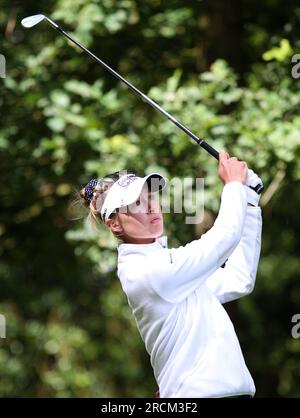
(31, 21)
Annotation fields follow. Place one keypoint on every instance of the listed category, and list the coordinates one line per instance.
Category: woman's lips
(156, 220)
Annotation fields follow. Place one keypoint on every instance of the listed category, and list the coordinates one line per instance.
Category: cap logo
(125, 181)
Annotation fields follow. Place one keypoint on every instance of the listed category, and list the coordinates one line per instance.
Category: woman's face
(143, 220)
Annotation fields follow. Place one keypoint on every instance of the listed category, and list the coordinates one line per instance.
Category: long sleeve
(179, 271)
(237, 278)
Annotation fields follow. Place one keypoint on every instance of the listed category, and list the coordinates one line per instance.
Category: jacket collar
(160, 242)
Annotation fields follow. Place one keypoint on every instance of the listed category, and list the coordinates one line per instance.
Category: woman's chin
(158, 230)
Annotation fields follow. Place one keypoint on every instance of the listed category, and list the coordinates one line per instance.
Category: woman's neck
(139, 240)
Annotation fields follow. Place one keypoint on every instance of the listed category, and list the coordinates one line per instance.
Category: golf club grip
(211, 150)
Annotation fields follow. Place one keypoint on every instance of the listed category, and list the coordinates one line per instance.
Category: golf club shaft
(212, 151)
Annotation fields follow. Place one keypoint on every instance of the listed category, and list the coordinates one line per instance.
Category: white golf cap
(127, 190)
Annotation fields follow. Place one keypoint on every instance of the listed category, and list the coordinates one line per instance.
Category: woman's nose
(150, 206)
(153, 207)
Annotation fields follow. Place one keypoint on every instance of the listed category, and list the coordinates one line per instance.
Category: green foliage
(64, 120)
(280, 53)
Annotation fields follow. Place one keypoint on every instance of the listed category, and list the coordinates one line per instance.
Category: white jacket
(176, 296)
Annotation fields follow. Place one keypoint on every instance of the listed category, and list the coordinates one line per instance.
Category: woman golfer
(176, 294)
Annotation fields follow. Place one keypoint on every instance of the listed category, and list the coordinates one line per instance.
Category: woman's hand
(231, 169)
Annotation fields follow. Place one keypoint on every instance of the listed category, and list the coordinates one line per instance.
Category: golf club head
(31, 21)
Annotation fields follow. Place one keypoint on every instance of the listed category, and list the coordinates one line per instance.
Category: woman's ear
(114, 225)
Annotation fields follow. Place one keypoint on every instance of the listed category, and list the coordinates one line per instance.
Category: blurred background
(223, 68)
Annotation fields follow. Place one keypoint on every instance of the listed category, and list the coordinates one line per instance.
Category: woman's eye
(138, 202)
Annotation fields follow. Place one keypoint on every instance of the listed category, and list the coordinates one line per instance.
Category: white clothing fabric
(176, 297)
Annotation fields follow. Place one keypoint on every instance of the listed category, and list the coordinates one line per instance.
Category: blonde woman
(176, 294)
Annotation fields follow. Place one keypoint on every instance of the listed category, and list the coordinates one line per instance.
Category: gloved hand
(253, 182)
